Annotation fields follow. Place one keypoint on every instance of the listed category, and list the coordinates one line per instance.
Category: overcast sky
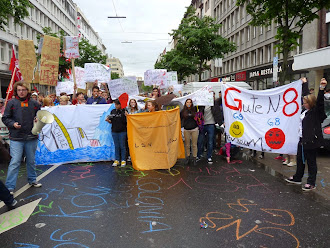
(147, 25)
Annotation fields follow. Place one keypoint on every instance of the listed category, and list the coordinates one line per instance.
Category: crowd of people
(202, 125)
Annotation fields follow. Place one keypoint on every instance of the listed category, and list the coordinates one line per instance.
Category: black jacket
(24, 113)
(312, 137)
(216, 111)
(188, 122)
(118, 120)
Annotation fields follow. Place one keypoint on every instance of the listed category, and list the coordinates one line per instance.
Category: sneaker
(279, 158)
(291, 180)
(123, 163)
(115, 163)
(129, 159)
(209, 160)
(198, 159)
(11, 191)
(261, 156)
(12, 205)
(308, 187)
(36, 184)
(285, 162)
(291, 164)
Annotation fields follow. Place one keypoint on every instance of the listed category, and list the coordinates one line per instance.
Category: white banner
(78, 134)
(64, 87)
(80, 78)
(266, 120)
(123, 85)
(95, 71)
(71, 47)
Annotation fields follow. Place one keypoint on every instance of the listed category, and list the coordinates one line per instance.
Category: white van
(216, 86)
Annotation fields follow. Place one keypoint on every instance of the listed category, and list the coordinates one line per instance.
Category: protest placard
(264, 120)
(80, 77)
(95, 71)
(71, 47)
(49, 61)
(156, 77)
(172, 78)
(27, 59)
(123, 85)
(65, 87)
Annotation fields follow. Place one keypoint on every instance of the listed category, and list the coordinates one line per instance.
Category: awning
(317, 59)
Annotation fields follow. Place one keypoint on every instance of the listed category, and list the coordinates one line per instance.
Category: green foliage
(174, 60)
(290, 16)
(146, 88)
(198, 38)
(14, 8)
(89, 54)
(114, 75)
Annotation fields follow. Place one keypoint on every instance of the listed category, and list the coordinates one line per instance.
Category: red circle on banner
(275, 138)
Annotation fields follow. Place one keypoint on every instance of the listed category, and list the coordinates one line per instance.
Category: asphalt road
(96, 205)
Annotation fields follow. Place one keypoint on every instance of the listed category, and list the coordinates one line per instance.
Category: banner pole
(10, 85)
(73, 72)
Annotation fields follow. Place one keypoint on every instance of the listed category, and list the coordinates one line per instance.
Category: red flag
(17, 76)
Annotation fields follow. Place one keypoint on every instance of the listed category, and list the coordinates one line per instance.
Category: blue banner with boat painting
(78, 134)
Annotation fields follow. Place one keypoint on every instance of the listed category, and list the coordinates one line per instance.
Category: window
(248, 33)
(247, 59)
(242, 37)
(269, 53)
(2, 51)
(261, 56)
(242, 61)
(261, 30)
(328, 43)
(254, 32)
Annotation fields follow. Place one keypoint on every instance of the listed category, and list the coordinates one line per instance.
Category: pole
(73, 72)
(10, 85)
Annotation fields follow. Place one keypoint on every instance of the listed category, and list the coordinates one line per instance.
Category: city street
(96, 205)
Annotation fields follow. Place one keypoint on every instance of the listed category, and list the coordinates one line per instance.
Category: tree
(89, 54)
(290, 15)
(198, 38)
(174, 60)
(114, 75)
(14, 8)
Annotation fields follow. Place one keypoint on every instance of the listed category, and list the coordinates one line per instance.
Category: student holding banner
(96, 99)
(119, 132)
(310, 132)
(151, 106)
(190, 129)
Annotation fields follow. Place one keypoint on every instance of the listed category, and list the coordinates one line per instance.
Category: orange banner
(155, 140)
(49, 61)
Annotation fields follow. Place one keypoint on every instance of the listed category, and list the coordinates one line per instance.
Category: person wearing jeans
(6, 197)
(19, 116)
(211, 115)
(119, 132)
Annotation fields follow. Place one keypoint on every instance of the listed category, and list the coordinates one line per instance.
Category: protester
(19, 117)
(48, 102)
(155, 93)
(80, 99)
(132, 107)
(311, 137)
(151, 106)
(118, 120)
(2, 105)
(311, 91)
(212, 115)
(229, 150)
(53, 97)
(41, 98)
(6, 197)
(95, 98)
(64, 100)
(34, 96)
(190, 129)
(290, 160)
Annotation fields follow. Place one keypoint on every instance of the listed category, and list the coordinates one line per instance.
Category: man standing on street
(96, 99)
(19, 116)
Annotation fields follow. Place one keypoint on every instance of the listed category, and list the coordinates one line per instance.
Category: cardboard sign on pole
(27, 59)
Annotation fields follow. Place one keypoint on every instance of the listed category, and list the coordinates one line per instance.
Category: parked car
(326, 125)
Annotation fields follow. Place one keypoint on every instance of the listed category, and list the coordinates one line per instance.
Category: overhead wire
(117, 15)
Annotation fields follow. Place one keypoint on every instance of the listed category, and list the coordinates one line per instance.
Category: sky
(147, 25)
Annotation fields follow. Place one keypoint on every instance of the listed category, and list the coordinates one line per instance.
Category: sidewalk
(276, 167)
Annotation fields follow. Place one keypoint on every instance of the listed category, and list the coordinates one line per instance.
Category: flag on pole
(17, 77)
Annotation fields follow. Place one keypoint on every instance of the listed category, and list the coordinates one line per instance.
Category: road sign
(275, 69)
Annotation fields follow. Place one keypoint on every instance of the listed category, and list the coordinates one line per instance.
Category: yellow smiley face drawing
(236, 129)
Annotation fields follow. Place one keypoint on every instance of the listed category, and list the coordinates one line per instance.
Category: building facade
(116, 66)
(256, 47)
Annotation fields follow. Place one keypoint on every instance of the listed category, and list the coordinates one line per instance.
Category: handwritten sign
(95, 71)
(123, 85)
(265, 120)
(49, 61)
(27, 59)
(80, 78)
(67, 87)
(71, 47)
(156, 77)
(172, 78)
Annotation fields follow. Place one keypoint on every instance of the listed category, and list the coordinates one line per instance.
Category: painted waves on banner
(266, 120)
(78, 134)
